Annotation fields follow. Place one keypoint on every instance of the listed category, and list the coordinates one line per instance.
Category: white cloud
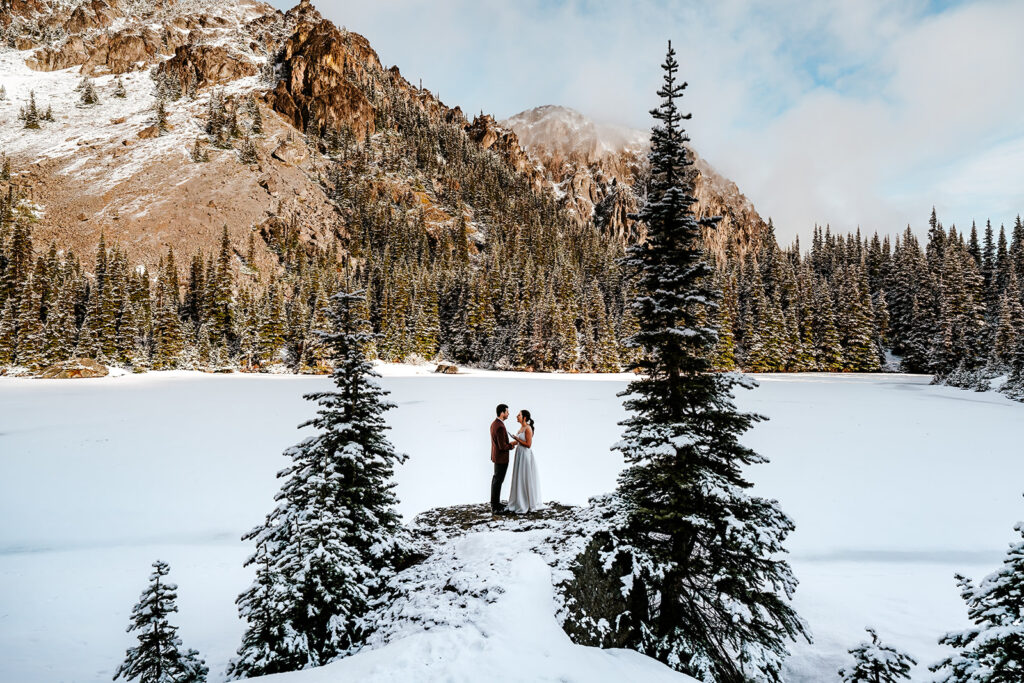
(848, 113)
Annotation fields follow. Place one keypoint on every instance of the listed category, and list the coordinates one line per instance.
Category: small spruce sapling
(247, 151)
(119, 90)
(199, 153)
(161, 117)
(158, 657)
(31, 112)
(89, 96)
(3, 93)
(257, 118)
(876, 662)
(48, 116)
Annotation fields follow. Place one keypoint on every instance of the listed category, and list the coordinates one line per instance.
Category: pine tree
(31, 112)
(59, 331)
(219, 287)
(119, 91)
(705, 554)
(199, 154)
(1010, 325)
(306, 608)
(255, 116)
(168, 335)
(89, 96)
(158, 657)
(992, 650)
(29, 347)
(247, 150)
(161, 116)
(876, 662)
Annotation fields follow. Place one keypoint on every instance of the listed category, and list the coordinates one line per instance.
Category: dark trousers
(500, 468)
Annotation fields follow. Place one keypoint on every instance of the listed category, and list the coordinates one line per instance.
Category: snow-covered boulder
(75, 368)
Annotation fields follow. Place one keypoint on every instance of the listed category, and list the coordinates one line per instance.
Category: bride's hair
(527, 419)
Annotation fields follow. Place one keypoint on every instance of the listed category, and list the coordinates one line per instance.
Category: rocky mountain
(598, 171)
(103, 167)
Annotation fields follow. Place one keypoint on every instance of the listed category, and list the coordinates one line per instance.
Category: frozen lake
(894, 485)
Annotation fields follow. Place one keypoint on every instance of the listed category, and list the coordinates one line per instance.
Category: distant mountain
(598, 171)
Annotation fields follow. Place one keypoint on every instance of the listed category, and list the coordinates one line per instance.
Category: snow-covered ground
(894, 486)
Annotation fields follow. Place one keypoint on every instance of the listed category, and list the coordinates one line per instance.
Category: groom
(500, 447)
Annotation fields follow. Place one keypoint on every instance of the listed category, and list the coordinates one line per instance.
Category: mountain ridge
(599, 169)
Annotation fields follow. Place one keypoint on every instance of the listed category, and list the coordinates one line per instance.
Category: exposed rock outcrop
(486, 132)
(204, 65)
(76, 368)
(317, 90)
(116, 36)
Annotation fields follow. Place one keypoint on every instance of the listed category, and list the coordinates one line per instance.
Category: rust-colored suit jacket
(500, 445)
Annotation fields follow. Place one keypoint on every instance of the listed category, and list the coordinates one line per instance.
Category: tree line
(462, 259)
(951, 307)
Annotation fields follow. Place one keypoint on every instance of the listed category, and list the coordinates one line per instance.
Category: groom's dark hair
(500, 409)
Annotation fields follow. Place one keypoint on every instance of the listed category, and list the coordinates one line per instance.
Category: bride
(525, 494)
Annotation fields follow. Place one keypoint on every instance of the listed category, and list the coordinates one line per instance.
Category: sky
(854, 114)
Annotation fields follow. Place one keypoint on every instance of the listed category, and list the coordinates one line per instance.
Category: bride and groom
(525, 493)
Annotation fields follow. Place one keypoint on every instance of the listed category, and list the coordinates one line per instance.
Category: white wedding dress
(525, 494)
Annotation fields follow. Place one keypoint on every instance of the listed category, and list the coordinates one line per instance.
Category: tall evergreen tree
(711, 596)
(326, 552)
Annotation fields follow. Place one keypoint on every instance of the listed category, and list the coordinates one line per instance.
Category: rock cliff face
(599, 172)
(317, 92)
(488, 134)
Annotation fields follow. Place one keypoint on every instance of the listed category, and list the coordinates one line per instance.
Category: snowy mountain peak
(565, 132)
(594, 167)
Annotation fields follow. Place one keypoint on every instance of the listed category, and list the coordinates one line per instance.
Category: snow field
(894, 485)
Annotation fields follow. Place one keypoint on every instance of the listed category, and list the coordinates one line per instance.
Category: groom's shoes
(500, 511)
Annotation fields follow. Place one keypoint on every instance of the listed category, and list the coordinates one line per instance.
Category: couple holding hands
(525, 493)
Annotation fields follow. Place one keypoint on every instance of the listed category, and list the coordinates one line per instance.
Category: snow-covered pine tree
(119, 90)
(199, 154)
(89, 96)
(158, 657)
(876, 662)
(327, 551)
(256, 118)
(31, 112)
(161, 116)
(247, 153)
(1010, 325)
(992, 650)
(710, 595)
